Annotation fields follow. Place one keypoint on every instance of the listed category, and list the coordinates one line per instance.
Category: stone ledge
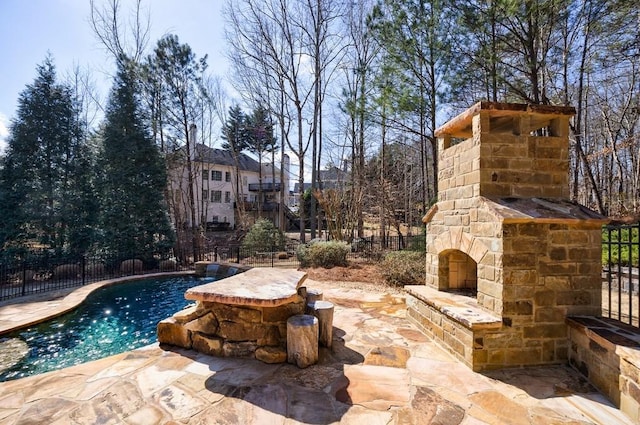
(462, 309)
(258, 287)
(609, 357)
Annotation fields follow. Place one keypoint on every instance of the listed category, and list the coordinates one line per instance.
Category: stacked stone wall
(226, 330)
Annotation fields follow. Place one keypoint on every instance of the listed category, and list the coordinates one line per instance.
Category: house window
(227, 176)
(227, 197)
(205, 174)
(216, 196)
(205, 195)
(216, 175)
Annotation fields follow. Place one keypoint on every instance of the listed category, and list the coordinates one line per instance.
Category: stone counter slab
(256, 287)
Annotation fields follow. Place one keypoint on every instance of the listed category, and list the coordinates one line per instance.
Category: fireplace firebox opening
(458, 272)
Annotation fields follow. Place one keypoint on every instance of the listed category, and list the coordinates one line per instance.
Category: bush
(323, 254)
(264, 236)
(404, 268)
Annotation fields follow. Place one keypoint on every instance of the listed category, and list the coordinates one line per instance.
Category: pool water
(110, 321)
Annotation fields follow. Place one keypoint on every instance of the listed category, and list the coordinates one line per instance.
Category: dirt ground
(368, 273)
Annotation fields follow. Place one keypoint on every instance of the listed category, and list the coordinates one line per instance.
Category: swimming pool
(111, 320)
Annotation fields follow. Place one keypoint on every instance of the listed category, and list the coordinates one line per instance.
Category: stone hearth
(505, 231)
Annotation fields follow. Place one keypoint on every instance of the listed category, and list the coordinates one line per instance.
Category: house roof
(224, 157)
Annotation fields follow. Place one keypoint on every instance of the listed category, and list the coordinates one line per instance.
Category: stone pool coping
(31, 311)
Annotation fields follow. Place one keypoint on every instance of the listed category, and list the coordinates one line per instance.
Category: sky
(29, 29)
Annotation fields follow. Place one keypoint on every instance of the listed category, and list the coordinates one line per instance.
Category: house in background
(224, 188)
(331, 178)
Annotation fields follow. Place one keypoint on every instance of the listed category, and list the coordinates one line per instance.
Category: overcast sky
(31, 28)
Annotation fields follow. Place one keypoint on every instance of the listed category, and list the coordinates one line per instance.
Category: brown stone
(207, 344)
(229, 313)
(388, 356)
(282, 313)
(271, 354)
(171, 332)
(239, 331)
(546, 331)
(239, 349)
(271, 336)
(573, 298)
(188, 314)
(517, 307)
(207, 324)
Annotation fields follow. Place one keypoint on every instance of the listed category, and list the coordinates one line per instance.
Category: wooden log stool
(323, 310)
(302, 340)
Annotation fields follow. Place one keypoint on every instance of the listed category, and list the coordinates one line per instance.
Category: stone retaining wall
(607, 353)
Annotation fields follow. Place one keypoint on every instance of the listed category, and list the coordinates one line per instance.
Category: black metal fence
(41, 271)
(620, 274)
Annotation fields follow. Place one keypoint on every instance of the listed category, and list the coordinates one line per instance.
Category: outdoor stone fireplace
(509, 256)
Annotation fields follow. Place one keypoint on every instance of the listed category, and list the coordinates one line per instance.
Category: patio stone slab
(381, 370)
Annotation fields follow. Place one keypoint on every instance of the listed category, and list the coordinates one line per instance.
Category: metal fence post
(24, 278)
(83, 271)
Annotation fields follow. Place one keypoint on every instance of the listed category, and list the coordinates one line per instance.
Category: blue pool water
(111, 320)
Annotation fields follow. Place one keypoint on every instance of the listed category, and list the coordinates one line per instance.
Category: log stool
(302, 340)
(314, 295)
(323, 310)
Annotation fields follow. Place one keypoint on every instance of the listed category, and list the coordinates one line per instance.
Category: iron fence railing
(39, 271)
(620, 273)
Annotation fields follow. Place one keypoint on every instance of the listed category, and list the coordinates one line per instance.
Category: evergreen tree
(134, 218)
(45, 182)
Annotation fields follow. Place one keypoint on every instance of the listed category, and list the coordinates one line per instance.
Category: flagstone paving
(381, 370)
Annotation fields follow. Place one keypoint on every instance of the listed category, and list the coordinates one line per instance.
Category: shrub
(323, 254)
(263, 236)
(404, 268)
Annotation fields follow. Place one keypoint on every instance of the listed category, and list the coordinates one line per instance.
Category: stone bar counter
(244, 315)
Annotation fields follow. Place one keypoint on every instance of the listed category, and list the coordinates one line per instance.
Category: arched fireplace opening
(458, 272)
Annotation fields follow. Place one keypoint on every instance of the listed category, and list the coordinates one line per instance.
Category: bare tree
(121, 37)
(263, 35)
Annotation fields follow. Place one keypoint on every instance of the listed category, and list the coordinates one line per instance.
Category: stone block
(557, 282)
(544, 298)
(271, 336)
(550, 314)
(271, 354)
(210, 345)
(207, 324)
(282, 313)
(189, 313)
(171, 332)
(575, 297)
(239, 349)
(242, 331)
(517, 308)
(558, 330)
(523, 356)
(231, 313)
(558, 269)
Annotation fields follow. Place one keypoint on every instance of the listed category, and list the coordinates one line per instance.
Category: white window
(205, 195)
(227, 176)
(216, 196)
(205, 175)
(216, 175)
(227, 197)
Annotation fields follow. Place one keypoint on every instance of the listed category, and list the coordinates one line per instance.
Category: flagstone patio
(381, 370)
